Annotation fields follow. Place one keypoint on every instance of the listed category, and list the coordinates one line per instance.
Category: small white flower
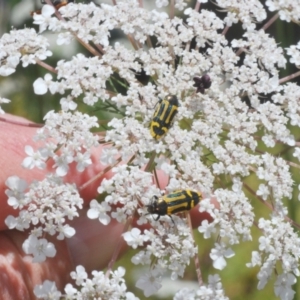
(134, 238)
(65, 231)
(204, 292)
(283, 287)
(109, 156)
(98, 210)
(119, 215)
(15, 193)
(16, 186)
(22, 222)
(150, 283)
(41, 85)
(218, 168)
(34, 159)
(206, 205)
(67, 103)
(297, 153)
(207, 228)
(170, 170)
(268, 140)
(119, 274)
(44, 19)
(185, 294)
(263, 191)
(11, 222)
(255, 260)
(83, 160)
(71, 292)
(79, 275)
(62, 162)
(39, 248)
(142, 257)
(47, 290)
(218, 253)
(130, 296)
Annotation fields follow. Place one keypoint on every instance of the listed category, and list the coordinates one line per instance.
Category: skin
(93, 244)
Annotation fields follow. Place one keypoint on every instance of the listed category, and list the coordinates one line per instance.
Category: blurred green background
(239, 281)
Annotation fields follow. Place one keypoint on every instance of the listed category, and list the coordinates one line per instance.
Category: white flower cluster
(257, 44)
(23, 45)
(247, 12)
(99, 21)
(290, 100)
(294, 52)
(69, 133)
(275, 125)
(288, 10)
(129, 187)
(279, 244)
(233, 219)
(81, 75)
(44, 205)
(212, 291)
(100, 286)
(233, 159)
(216, 134)
(275, 172)
(203, 26)
(131, 140)
(169, 248)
